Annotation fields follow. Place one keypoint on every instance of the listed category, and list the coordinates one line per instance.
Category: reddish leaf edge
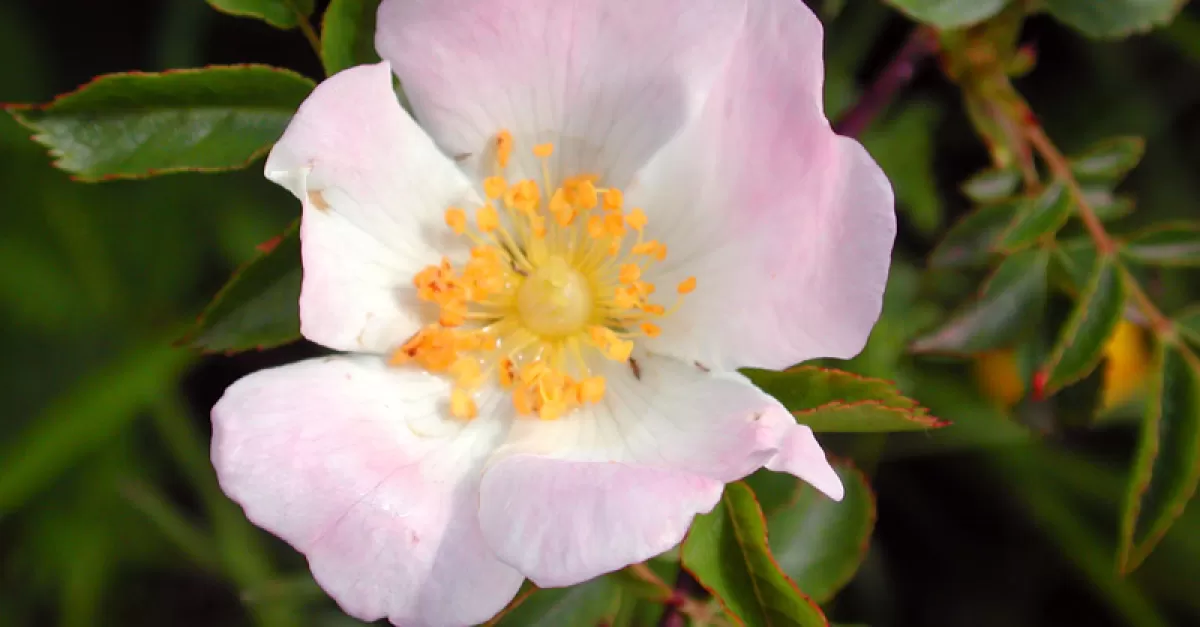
(918, 414)
(737, 619)
(15, 109)
(1043, 386)
(901, 402)
(264, 249)
(1132, 554)
(872, 517)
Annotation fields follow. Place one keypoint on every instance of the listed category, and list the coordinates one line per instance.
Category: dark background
(108, 510)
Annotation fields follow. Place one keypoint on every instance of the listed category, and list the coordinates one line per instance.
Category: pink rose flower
(545, 291)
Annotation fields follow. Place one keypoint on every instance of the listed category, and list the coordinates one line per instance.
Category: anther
(504, 148)
(456, 219)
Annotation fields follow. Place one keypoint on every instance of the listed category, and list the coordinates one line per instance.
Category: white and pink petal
(611, 485)
(323, 454)
(608, 81)
(787, 227)
(374, 189)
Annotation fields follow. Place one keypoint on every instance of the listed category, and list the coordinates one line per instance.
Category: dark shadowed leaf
(1077, 405)
(903, 146)
(1073, 261)
(1037, 218)
(1167, 466)
(348, 34)
(1113, 18)
(1109, 160)
(972, 239)
(818, 542)
(1013, 301)
(135, 125)
(1080, 346)
(277, 13)
(590, 603)
(1187, 323)
(86, 418)
(1176, 244)
(726, 551)
(949, 13)
(992, 185)
(260, 306)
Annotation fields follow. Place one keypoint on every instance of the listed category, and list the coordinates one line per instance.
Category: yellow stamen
(494, 187)
(636, 220)
(487, 219)
(462, 405)
(504, 148)
(614, 200)
(456, 219)
(549, 278)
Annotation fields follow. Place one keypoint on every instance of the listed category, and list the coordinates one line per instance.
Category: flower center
(556, 300)
(554, 282)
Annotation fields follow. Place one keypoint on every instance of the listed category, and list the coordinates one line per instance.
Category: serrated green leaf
(1187, 323)
(1113, 18)
(1167, 466)
(835, 401)
(866, 417)
(1013, 301)
(1037, 218)
(277, 13)
(1080, 346)
(590, 603)
(726, 551)
(1106, 205)
(972, 239)
(992, 185)
(260, 305)
(809, 387)
(348, 34)
(1176, 244)
(820, 543)
(1109, 160)
(1074, 259)
(949, 13)
(136, 125)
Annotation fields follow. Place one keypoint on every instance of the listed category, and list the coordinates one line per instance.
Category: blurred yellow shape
(1128, 356)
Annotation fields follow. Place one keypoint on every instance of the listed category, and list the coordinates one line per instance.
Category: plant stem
(1058, 164)
(306, 27)
(899, 72)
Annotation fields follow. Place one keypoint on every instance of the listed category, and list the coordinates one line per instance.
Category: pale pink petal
(608, 81)
(374, 189)
(323, 454)
(787, 227)
(566, 500)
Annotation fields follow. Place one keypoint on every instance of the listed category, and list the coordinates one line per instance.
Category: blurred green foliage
(109, 510)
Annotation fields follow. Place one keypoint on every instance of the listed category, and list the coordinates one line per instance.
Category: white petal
(787, 227)
(374, 189)
(566, 500)
(609, 81)
(322, 453)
